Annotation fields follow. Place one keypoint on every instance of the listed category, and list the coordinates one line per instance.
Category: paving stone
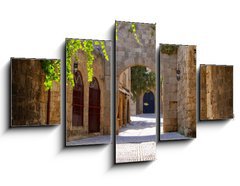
(133, 152)
(137, 141)
(106, 139)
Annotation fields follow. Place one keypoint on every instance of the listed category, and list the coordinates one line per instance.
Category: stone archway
(124, 102)
(149, 63)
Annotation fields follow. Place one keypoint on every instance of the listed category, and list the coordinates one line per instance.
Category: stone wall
(178, 96)
(131, 53)
(216, 92)
(203, 93)
(101, 71)
(29, 97)
(168, 66)
(125, 104)
(186, 109)
(133, 111)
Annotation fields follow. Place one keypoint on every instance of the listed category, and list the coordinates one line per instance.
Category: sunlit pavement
(91, 141)
(170, 136)
(141, 129)
(137, 140)
(134, 152)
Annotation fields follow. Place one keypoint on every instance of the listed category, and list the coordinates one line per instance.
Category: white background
(35, 156)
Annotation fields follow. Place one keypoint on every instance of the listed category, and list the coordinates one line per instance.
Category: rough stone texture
(179, 97)
(203, 93)
(124, 99)
(169, 91)
(101, 71)
(130, 53)
(216, 92)
(132, 108)
(186, 110)
(29, 97)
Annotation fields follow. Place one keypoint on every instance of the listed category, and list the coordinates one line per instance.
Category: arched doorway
(148, 102)
(94, 107)
(77, 104)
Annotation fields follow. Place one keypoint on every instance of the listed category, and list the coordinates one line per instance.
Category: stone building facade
(216, 92)
(178, 90)
(32, 105)
(88, 104)
(125, 103)
(168, 66)
(133, 49)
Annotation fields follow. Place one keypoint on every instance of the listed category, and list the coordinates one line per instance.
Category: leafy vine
(88, 47)
(169, 49)
(132, 29)
(142, 80)
(51, 69)
(134, 32)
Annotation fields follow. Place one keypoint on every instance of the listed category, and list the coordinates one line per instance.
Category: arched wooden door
(148, 102)
(94, 107)
(77, 105)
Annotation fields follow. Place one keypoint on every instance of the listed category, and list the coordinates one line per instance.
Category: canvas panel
(35, 92)
(216, 92)
(135, 124)
(177, 92)
(88, 92)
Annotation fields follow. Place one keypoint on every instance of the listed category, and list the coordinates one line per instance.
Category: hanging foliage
(51, 69)
(142, 80)
(132, 29)
(169, 49)
(88, 47)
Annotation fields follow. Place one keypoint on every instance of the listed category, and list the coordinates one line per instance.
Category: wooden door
(94, 107)
(77, 105)
(148, 102)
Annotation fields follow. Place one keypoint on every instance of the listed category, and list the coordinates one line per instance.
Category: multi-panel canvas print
(135, 124)
(216, 92)
(87, 92)
(35, 91)
(177, 92)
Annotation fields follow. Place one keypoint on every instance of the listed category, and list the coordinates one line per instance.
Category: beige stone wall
(132, 108)
(203, 92)
(186, 110)
(216, 92)
(129, 52)
(101, 71)
(179, 96)
(55, 106)
(29, 97)
(124, 99)
(169, 92)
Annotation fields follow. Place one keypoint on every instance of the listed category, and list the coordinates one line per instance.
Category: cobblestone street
(137, 141)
